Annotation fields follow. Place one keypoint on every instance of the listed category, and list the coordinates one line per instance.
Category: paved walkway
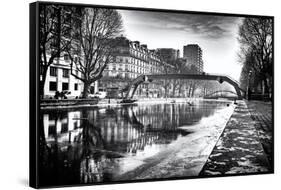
(240, 149)
(262, 113)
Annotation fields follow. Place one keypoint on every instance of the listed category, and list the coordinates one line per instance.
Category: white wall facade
(75, 86)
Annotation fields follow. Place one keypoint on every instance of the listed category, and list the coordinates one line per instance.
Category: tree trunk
(85, 90)
(42, 83)
(266, 88)
(41, 88)
(166, 86)
(176, 83)
(189, 90)
(179, 91)
(174, 89)
(193, 89)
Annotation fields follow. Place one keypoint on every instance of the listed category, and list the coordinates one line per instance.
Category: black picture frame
(34, 92)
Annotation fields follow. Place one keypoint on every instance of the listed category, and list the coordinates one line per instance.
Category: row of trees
(82, 34)
(256, 54)
(188, 88)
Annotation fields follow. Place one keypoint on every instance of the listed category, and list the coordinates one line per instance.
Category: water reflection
(97, 145)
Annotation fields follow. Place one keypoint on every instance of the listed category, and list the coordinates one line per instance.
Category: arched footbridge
(132, 87)
(220, 92)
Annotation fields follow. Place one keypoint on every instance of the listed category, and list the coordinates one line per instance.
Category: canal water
(93, 145)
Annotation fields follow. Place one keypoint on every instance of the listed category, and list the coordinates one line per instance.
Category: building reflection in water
(96, 145)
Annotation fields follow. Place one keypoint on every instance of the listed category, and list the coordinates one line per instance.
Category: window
(75, 125)
(52, 130)
(76, 86)
(53, 71)
(64, 127)
(53, 86)
(65, 73)
(41, 70)
(66, 57)
(65, 86)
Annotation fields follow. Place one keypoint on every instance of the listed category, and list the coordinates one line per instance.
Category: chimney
(144, 46)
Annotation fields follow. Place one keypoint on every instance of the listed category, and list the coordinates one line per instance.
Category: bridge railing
(223, 75)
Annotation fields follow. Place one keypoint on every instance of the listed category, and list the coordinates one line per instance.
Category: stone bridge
(131, 88)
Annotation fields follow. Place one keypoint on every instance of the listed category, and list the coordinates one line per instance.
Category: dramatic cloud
(206, 26)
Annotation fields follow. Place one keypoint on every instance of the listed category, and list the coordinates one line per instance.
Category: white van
(99, 94)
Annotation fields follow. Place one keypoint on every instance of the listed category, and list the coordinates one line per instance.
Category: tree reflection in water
(92, 145)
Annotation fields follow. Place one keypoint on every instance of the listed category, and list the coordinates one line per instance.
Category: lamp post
(249, 92)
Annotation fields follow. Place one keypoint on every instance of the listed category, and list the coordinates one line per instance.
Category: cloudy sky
(216, 35)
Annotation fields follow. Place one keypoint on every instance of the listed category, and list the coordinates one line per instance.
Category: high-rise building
(169, 55)
(193, 55)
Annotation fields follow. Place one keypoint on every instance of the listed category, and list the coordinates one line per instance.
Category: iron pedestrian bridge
(220, 91)
(132, 87)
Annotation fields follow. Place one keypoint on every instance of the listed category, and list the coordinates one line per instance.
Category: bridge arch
(220, 91)
(131, 89)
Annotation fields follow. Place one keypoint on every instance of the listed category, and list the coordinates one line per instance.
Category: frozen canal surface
(147, 141)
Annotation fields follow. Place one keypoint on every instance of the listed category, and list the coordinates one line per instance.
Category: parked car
(98, 95)
(62, 95)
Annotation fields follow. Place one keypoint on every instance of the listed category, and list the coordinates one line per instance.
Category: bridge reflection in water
(97, 145)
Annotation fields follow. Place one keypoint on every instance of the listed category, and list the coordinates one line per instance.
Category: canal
(115, 143)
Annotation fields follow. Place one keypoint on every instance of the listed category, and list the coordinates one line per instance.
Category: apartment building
(193, 54)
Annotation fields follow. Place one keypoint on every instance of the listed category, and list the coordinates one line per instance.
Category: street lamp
(249, 92)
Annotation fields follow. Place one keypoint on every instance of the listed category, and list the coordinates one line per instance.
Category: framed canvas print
(120, 94)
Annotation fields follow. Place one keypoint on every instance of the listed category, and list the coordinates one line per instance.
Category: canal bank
(240, 148)
(91, 103)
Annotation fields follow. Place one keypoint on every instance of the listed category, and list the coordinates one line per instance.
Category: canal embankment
(243, 145)
(50, 104)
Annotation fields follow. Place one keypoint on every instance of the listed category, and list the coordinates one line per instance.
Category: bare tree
(255, 37)
(179, 68)
(167, 69)
(54, 37)
(93, 47)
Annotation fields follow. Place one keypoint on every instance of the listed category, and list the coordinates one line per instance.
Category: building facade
(131, 59)
(193, 54)
(59, 78)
